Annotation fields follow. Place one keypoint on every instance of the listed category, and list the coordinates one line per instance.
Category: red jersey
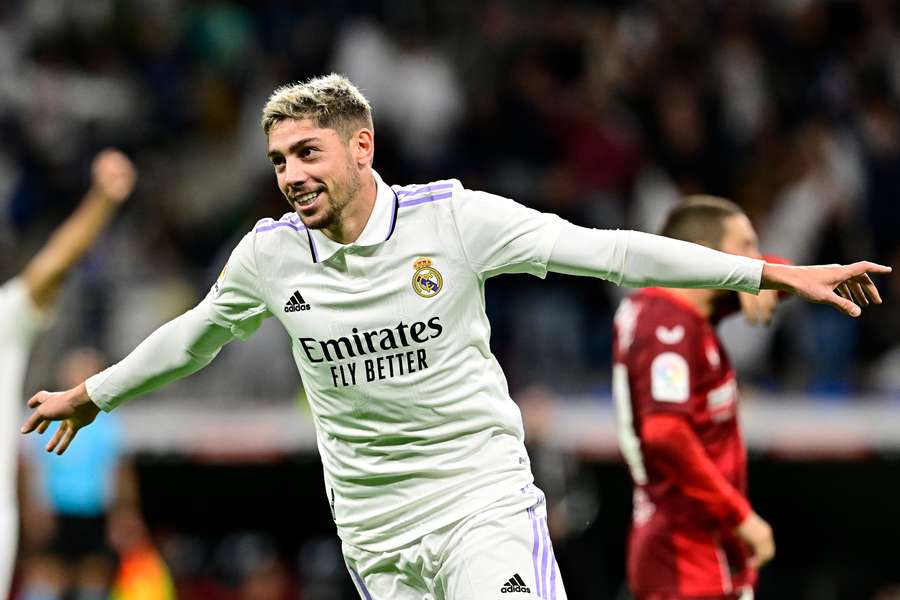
(668, 360)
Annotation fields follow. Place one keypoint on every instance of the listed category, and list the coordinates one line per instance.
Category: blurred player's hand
(113, 176)
(845, 287)
(758, 309)
(757, 534)
(73, 408)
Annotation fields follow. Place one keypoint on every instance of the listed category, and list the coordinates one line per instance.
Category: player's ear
(363, 146)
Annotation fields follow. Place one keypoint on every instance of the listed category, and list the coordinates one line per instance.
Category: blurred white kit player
(20, 322)
(381, 289)
(24, 301)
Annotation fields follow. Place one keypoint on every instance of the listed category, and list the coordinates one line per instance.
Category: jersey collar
(378, 229)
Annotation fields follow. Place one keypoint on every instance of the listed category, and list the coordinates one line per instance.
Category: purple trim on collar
(425, 188)
(276, 224)
(425, 199)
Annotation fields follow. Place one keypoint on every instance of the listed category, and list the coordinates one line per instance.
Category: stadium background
(604, 112)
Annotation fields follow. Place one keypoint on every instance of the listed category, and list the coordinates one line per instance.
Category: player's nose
(294, 173)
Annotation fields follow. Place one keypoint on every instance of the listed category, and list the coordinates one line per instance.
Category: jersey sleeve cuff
(94, 385)
(750, 275)
(740, 510)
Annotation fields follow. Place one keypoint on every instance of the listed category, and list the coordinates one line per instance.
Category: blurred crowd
(603, 112)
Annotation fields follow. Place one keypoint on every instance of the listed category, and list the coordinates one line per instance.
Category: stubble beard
(340, 197)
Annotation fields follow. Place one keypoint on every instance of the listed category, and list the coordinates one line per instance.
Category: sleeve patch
(670, 378)
(220, 281)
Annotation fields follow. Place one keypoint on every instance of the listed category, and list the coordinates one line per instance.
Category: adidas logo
(515, 585)
(296, 303)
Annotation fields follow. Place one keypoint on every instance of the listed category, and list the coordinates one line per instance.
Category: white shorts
(502, 552)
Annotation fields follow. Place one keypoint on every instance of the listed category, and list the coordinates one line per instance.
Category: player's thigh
(384, 576)
(502, 556)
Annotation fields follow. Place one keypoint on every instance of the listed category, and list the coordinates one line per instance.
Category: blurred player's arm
(112, 181)
(637, 259)
(681, 457)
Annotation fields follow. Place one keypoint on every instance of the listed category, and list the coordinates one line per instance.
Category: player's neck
(702, 300)
(356, 214)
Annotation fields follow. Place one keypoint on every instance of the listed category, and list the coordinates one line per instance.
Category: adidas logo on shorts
(515, 585)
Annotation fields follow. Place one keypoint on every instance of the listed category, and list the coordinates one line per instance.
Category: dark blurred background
(603, 112)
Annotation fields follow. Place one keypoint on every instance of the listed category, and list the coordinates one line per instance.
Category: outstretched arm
(177, 349)
(640, 259)
(113, 179)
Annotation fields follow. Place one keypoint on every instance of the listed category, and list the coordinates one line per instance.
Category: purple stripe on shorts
(552, 561)
(544, 555)
(424, 199)
(276, 224)
(425, 188)
(359, 582)
(534, 551)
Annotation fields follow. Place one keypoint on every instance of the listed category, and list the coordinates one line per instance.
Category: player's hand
(113, 176)
(758, 309)
(73, 408)
(757, 534)
(845, 287)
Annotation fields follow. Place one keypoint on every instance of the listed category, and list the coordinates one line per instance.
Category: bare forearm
(68, 243)
(112, 180)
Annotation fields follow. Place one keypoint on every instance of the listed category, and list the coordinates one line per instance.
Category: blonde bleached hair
(330, 102)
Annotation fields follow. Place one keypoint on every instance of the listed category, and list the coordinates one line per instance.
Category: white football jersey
(416, 428)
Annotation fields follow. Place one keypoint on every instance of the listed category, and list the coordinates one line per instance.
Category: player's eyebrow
(294, 146)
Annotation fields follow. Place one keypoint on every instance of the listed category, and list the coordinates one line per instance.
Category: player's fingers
(43, 427)
(67, 439)
(57, 436)
(37, 399)
(33, 421)
(858, 293)
(839, 290)
(870, 288)
(864, 266)
(844, 305)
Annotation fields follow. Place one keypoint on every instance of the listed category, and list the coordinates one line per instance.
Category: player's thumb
(38, 399)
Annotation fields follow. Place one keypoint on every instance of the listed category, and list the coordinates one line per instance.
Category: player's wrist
(778, 277)
(104, 197)
(82, 400)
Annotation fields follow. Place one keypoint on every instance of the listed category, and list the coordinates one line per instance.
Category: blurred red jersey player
(694, 534)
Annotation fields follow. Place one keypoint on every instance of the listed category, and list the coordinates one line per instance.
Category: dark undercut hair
(700, 219)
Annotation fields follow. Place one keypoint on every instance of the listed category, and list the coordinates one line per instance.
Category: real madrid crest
(427, 280)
